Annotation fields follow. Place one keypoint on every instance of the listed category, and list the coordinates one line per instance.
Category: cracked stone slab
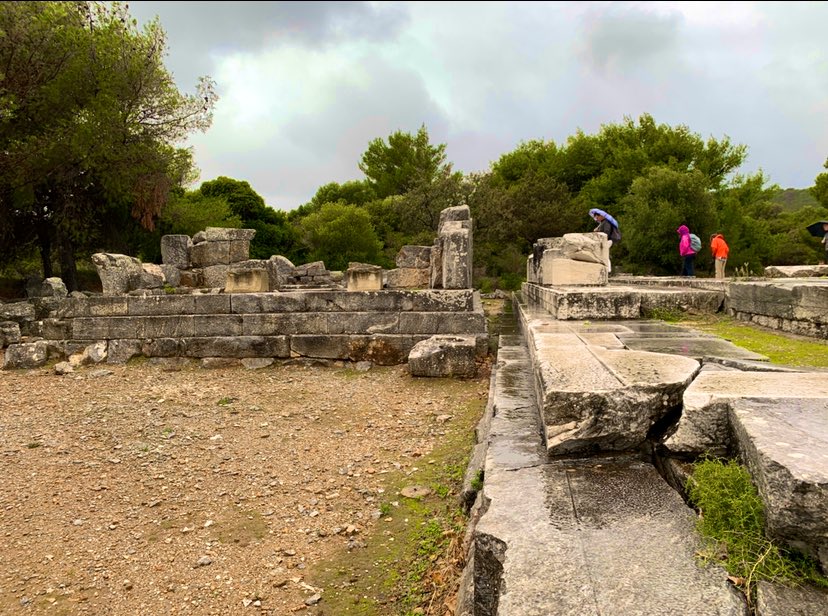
(591, 539)
(704, 426)
(598, 399)
(785, 445)
(777, 600)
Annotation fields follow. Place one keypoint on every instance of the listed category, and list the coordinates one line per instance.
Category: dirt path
(133, 490)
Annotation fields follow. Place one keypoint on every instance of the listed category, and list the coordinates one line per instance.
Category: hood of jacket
(683, 230)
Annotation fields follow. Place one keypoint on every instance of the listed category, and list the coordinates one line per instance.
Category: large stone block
(414, 256)
(247, 281)
(175, 250)
(408, 278)
(363, 277)
(206, 254)
(9, 333)
(119, 274)
(215, 276)
(26, 355)
(444, 356)
(456, 256)
(226, 234)
(567, 272)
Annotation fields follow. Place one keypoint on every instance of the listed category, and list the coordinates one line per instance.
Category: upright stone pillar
(453, 248)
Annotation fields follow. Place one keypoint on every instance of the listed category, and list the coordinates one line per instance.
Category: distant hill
(792, 199)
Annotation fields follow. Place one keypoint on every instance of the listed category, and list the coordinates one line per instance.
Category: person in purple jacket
(686, 251)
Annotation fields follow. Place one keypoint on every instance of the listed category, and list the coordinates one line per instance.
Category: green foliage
(194, 212)
(338, 234)
(664, 314)
(792, 199)
(477, 482)
(732, 520)
(657, 204)
(395, 167)
(820, 188)
(89, 118)
(274, 235)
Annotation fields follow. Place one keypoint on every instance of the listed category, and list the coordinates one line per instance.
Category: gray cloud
(626, 39)
(306, 86)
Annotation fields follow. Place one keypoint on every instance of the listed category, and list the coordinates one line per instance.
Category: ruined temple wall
(378, 326)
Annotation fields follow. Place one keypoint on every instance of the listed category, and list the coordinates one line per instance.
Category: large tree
(394, 168)
(89, 122)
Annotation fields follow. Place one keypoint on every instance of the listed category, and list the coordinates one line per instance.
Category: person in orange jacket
(719, 248)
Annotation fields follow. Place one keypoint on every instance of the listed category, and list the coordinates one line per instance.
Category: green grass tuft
(731, 519)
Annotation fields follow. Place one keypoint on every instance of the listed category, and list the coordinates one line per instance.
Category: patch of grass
(670, 315)
(731, 519)
(240, 527)
(477, 482)
(780, 348)
(226, 400)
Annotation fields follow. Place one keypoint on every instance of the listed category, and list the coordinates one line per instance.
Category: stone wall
(380, 326)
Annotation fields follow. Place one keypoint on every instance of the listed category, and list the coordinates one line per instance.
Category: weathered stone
(704, 426)
(408, 278)
(444, 356)
(52, 287)
(9, 333)
(796, 271)
(247, 281)
(781, 600)
(363, 277)
(226, 234)
(215, 276)
(207, 254)
(175, 250)
(436, 281)
(18, 312)
(152, 276)
(121, 351)
(26, 355)
(172, 275)
(119, 274)
(418, 257)
(459, 213)
(785, 446)
(567, 272)
(239, 251)
(456, 255)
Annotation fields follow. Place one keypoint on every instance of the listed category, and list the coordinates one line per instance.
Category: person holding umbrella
(820, 229)
(609, 227)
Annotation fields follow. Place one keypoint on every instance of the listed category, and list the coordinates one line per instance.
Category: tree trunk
(45, 242)
(68, 268)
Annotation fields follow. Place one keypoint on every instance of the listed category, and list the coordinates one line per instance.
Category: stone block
(418, 257)
(226, 234)
(363, 277)
(215, 276)
(283, 324)
(444, 356)
(119, 274)
(567, 272)
(175, 251)
(456, 256)
(247, 281)
(239, 251)
(9, 333)
(408, 278)
(161, 304)
(206, 254)
(26, 355)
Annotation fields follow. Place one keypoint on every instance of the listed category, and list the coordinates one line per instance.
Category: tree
(406, 160)
(89, 118)
(820, 188)
(338, 234)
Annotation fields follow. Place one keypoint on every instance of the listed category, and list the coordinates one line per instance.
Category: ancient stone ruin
(594, 415)
(209, 301)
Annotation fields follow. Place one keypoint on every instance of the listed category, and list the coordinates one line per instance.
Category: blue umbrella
(609, 218)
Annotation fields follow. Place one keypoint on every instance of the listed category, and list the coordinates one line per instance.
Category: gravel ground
(143, 490)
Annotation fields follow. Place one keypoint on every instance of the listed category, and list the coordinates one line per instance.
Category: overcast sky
(304, 87)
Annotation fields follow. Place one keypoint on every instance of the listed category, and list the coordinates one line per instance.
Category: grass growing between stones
(731, 519)
(780, 348)
(411, 560)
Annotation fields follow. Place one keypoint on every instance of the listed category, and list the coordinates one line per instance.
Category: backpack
(615, 235)
(695, 242)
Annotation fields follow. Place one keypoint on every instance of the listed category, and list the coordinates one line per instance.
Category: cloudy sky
(305, 86)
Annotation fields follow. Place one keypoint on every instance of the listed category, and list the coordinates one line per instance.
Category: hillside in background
(792, 199)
